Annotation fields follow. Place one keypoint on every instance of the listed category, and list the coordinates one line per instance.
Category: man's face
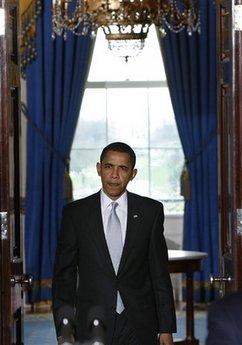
(115, 171)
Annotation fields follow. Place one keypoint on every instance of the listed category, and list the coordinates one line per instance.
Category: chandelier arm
(124, 20)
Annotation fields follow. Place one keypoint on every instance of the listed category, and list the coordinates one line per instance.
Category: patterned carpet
(39, 328)
(200, 326)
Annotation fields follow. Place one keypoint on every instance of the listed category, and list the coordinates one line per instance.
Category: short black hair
(119, 147)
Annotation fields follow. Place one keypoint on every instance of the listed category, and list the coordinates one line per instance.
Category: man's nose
(114, 172)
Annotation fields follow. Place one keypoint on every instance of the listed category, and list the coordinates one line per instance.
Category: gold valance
(29, 12)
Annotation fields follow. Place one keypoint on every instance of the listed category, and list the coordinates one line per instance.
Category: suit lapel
(97, 232)
(135, 214)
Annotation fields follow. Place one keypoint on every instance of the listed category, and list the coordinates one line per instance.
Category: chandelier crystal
(125, 22)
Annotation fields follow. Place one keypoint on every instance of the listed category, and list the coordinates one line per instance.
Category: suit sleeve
(65, 273)
(158, 260)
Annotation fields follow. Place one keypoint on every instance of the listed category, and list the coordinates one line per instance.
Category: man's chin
(114, 193)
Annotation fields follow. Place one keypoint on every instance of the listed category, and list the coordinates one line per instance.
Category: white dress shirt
(121, 211)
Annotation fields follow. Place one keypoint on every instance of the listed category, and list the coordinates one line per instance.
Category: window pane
(91, 127)
(83, 172)
(127, 116)
(140, 184)
(166, 166)
(163, 128)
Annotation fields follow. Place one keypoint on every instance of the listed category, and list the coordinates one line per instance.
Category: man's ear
(134, 174)
(98, 167)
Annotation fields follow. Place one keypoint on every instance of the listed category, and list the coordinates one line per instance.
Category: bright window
(130, 102)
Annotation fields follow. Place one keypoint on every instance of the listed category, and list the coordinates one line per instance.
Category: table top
(185, 255)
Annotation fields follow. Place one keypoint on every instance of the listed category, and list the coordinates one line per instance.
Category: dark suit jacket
(225, 321)
(142, 279)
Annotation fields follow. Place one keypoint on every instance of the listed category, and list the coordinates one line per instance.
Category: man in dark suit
(85, 281)
(225, 321)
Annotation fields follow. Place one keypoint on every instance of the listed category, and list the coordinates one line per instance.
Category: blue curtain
(55, 87)
(190, 64)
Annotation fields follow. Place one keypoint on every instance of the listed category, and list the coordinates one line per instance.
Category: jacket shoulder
(83, 203)
(144, 201)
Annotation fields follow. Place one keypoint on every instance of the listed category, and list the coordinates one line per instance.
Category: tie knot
(114, 205)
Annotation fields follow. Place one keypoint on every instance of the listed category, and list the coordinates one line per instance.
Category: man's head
(119, 147)
(116, 168)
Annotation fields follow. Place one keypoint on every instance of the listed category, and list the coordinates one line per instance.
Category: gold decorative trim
(42, 306)
(29, 12)
(41, 284)
(197, 285)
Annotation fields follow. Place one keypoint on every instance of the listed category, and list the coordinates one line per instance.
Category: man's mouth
(112, 184)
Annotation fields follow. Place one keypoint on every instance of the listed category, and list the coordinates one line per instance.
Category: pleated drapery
(55, 87)
(190, 64)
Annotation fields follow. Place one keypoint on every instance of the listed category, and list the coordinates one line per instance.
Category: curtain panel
(190, 64)
(55, 87)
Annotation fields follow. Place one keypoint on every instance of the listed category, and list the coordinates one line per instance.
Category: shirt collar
(106, 201)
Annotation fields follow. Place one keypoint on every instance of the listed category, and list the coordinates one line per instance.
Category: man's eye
(108, 166)
(124, 168)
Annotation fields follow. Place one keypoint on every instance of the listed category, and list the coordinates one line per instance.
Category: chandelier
(125, 22)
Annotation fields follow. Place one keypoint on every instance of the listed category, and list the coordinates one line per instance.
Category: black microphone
(97, 325)
(67, 332)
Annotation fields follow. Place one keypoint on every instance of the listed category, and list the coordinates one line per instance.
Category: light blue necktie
(115, 246)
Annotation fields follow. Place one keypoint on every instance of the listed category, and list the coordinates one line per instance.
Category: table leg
(190, 309)
(190, 339)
